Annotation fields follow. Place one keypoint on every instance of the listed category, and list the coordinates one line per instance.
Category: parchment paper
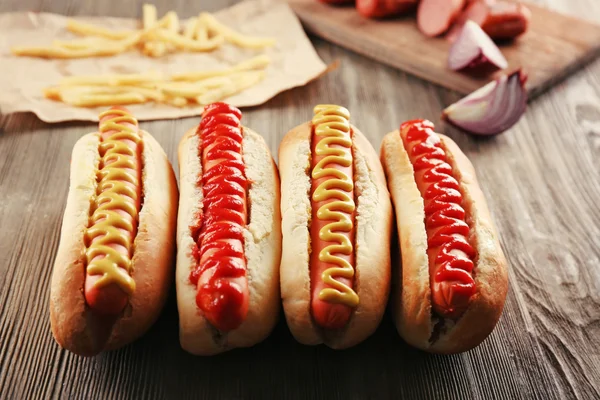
(294, 61)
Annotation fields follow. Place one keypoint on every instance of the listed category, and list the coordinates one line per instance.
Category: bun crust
(74, 326)
(262, 248)
(373, 230)
(412, 303)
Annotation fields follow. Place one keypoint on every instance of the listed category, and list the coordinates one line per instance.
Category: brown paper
(22, 79)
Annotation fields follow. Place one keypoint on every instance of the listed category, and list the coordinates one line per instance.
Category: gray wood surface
(541, 179)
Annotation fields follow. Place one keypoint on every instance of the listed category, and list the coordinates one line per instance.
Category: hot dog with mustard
(336, 226)
(228, 235)
(113, 267)
(453, 272)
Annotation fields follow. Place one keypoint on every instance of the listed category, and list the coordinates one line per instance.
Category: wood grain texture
(554, 46)
(541, 180)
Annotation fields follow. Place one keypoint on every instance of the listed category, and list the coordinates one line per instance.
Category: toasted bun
(373, 229)
(262, 248)
(412, 303)
(74, 326)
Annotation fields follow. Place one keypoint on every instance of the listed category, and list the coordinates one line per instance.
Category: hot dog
(453, 279)
(506, 20)
(113, 267)
(499, 19)
(228, 235)
(435, 17)
(384, 8)
(336, 225)
(106, 252)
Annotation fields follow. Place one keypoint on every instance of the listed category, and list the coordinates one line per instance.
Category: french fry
(113, 80)
(216, 94)
(191, 90)
(156, 38)
(88, 47)
(172, 21)
(189, 29)
(87, 91)
(83, 43)
(61, 52)
(150, 94)
(70, 94)
(237, 85)
(81, 28)
(247, 79)
(155, 49)
(235, 37)
(201, 33)
(131, 40)
(173, 25)
(176, 101)
(148, 16)
(97, 100)
(189, 44)
(257, 62)
(74, 95)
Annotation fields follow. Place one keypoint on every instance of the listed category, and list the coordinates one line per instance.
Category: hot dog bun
(262, 249)
(412, 304)
(373, 229)
(74, 326)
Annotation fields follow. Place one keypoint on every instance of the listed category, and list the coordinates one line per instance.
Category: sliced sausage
(434, 17)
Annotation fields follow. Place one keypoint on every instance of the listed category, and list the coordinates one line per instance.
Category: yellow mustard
(332, 126)
(117, 166)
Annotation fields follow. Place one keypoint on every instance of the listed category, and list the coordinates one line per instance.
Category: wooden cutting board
(554, 46)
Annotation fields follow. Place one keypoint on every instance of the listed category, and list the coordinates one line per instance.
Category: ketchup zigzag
(444, 219)
(220, 240)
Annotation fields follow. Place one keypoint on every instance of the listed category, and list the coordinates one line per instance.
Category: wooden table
(542, 181)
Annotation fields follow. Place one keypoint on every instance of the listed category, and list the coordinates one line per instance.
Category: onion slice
(474, 48)
(491, 109)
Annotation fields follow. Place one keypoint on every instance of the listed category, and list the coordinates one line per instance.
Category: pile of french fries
(191, 88)
(156, 38)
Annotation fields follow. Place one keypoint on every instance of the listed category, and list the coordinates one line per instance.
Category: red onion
(473, 48)
(491, 109)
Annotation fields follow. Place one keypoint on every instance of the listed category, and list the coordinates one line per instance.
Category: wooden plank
(540, 179)
(555, 45)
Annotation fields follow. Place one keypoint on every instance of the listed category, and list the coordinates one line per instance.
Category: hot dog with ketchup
(336, 225)
(228, 235)
(113, 266)
(453, 279)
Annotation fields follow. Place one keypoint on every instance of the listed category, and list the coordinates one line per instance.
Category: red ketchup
(450, 254)
(220, 272)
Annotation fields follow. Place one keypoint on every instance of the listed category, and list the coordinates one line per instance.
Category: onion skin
(473, 48)
(491, 109)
